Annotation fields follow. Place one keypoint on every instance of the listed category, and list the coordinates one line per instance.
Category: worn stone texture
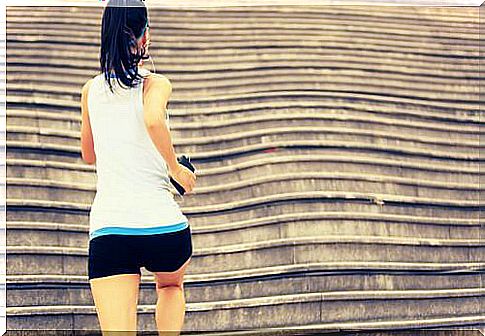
(338, 163)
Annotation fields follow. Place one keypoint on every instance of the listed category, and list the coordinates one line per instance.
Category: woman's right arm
(157, 91)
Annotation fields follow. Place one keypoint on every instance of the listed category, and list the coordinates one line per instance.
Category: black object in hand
(185, 161)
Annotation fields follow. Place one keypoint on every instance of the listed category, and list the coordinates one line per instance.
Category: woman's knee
(164, 281)
(170, 289)
(171, 279)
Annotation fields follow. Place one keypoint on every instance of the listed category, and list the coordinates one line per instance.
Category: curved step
(327, 136)
(310, 259)
(445, 14)
(68, 124)
(236, 160)
(391, 42)
(261, 29)
(173, 18)
(283, 251)
(230, 130)
(72, 212)
(247, 170)
(424, 67)
(247, 41)
(451, 93)
(51, 290)
(229, 123)
(25, 233)
(265, 186)
(26, 161)
(412, 309)
(390, 148)
(241, 100)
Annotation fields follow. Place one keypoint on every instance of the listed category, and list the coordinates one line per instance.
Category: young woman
(134, 220)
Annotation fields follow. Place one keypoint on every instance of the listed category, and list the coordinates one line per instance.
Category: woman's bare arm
(87, 144)
(157, 91)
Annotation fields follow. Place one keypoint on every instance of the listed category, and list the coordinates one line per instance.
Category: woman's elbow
(89, 159)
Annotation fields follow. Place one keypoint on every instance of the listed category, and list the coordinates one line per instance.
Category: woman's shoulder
(156, 81)
(157, 78)
(86, 85)
(91, 80)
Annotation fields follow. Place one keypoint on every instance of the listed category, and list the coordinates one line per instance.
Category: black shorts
(112, 254)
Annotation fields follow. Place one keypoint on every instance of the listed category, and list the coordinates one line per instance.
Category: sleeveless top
(132, 186)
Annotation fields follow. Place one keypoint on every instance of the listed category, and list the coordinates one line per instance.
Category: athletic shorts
(112, 254)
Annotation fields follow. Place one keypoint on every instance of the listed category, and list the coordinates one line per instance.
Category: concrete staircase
(338, 154)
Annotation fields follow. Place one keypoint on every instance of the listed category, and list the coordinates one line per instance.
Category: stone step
(203, 65)
(259, 17)
(286, 138)
(241, 156)
(264, 186)
(380, 250)
(233, 122)
(251, 70)
(248, 41)
(403, 17)
(442, 16)
(290, 225)
(283, 251)
(69, 211)
(394, 89)
(327, 136)
(31, 291)
(275, 129)
(381, 309)
(243, 171)
(397, 64)
(392, 34)
(264, 99)
(227, 35)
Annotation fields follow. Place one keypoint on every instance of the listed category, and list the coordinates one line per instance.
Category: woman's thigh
(116, 300)
(114, 277)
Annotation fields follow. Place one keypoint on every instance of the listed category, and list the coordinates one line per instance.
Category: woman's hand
(184, 176)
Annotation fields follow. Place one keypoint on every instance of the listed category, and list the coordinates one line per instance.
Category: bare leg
(116, 300)
(170, 309)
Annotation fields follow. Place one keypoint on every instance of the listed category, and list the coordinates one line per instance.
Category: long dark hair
(124, 21)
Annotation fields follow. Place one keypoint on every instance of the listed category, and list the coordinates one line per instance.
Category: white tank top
(132, 186)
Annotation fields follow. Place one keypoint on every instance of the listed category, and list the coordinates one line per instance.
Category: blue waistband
(138, 231)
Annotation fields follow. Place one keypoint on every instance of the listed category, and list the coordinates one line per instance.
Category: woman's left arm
(87, 143)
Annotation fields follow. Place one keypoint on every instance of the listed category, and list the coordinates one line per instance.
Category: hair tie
(143, 31)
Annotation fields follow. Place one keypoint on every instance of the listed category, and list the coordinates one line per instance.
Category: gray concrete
(365, 215)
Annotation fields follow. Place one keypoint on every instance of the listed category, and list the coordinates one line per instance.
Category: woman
(134, 220)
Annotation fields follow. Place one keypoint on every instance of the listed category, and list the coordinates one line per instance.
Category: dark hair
(124, 21)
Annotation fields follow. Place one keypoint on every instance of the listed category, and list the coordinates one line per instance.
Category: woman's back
(134, 220)
(132, 176)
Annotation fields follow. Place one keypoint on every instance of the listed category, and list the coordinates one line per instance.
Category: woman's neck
(113, 74)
